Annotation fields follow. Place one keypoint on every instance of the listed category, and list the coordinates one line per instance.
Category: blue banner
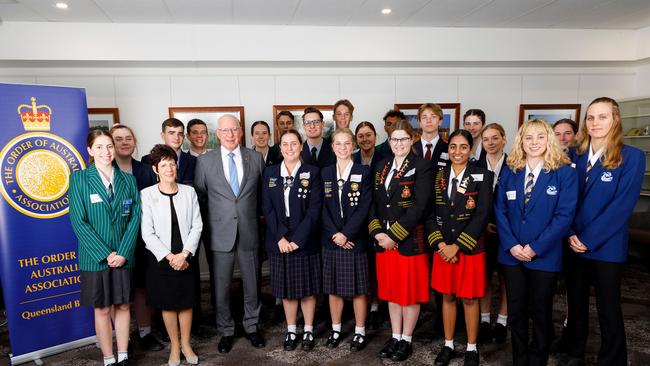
(43, 131)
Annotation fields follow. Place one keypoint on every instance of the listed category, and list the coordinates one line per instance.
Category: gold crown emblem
(35, 117)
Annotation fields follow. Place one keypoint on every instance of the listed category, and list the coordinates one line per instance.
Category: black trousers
(530, 295)
(606, 278)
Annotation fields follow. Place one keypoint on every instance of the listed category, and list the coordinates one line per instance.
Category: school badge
(471, 203)
(354, 187)
(304, 182)
(406, 192)
(36, 166)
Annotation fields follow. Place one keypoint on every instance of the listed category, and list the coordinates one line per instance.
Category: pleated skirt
(345, 273)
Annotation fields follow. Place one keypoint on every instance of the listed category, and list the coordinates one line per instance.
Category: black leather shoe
(571, 361)
(225, 344)
(444, 356)
(471, 358)
(374, 320)
(358, 343)
(150, 343)
(257, 340)
(308, 341)
(290, 341)
(402, 352)
(123, 363)
(389, 348)
(499, 333)
(333, 342)
(484, 333)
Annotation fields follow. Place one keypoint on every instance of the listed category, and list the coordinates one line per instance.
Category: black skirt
(294, 276)
(345, 273)
(168, 289)
(111, 286)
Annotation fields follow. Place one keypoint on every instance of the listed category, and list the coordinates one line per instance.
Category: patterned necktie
(427, 156)
(587, 171)
(109, 193)
(528, 191)
(288, 181)
(314, 158)
(234, 179)
(454, 188)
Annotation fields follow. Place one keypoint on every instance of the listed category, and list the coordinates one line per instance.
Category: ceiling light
(61, 5)
(386, 11)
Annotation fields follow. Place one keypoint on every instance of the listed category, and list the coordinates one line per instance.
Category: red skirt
(465, 278)
(402, 279)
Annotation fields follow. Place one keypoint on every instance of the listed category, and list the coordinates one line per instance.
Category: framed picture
(550, 113)
(297, 111)
(103, 118)
(450, 117)
(209, 115)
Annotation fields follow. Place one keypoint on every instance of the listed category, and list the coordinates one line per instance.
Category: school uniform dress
(462, 207)
(606, 200)
(171, 223)
(400, 199)
(346, 201)
(292, 206)
(105, 216)
(536, 210)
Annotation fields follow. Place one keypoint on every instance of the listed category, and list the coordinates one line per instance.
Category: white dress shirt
(285, 173)
(453, 175)
(432, 142)
(495, 169)
(535, 171)
(594, 156)
(345, 176)
(225, 160)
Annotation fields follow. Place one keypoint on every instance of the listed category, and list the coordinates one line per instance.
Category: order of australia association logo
(36, 166)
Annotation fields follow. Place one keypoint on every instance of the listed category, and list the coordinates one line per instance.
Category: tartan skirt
(294, 276)
(345, 272)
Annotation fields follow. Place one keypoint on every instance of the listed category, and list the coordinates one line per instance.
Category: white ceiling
(581, 14)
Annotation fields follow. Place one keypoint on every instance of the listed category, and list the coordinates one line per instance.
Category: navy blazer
(143, 173)
(356, 197)
(605, 204)
(436, 161)
(185, 169)
(305, 201)
(542, 223)
(482, 163)
(377, 157)
(384, 149)
(326, 156)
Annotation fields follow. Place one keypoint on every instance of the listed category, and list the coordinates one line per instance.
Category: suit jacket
(185, 169)
(102, 228)
(230, 217)
(356, 197)
(605, 204)
(542, 223)
(403, 205)
(272, 157)
(462, 223)
(436, 161)
(326, 156)
(377, 157)
(305, 202)
(157, 224)
(384, 149)
(143, 173)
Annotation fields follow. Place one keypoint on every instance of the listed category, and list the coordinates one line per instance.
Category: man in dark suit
(227, 182)
(316, 151)
(173, 133)
(431, 147)
(390, 118)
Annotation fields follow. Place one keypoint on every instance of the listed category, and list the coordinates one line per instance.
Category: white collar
(432, 142)
(594, 156)
(453, 175)
(236, 151)
(346, 171)
(536, 170)
(285, 173)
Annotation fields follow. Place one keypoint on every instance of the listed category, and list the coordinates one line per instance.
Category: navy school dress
(345, 271)
(297, 274)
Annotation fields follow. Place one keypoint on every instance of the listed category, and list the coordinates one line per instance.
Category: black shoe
(374, 319)
(402, 351)
(499, 333)
(289, 343)
(485, 333)
(225, 344)
(444, 356)
(471, 358)
(200, 332)
(257, 340)
(358, 343)
(560, 345)
(308, 341)
(150, 343)
(571, 361)
(123, 363)
(333, 342)
(389, 348)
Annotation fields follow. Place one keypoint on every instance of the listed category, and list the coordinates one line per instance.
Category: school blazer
(185, 170)
(438, 159)
(464, 222)
(356, 197)
(143, 173)
(102, 228)
(326, 156)
(482, 162)
(605, 204)
(542, 223)
(377, 158)
(305, 202)
(403, 205)
(156, 226)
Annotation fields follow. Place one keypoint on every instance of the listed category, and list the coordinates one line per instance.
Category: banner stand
(37, 355)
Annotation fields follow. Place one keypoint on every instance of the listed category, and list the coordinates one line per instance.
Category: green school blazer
(102, 228)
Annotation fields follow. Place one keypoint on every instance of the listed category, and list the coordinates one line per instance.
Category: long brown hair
(612, 156)
(93, 135)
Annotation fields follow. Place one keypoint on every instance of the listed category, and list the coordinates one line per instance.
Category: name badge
(444, 155)
(94, 198)
(442, 163)
(512, 195)
(477, 177)
(304, 175)
(126, 207)
(355, 178)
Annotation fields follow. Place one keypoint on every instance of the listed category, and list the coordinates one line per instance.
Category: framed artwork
(297, 111)
(209, 115)
(103, 118)
(450, 117)
(550, 113)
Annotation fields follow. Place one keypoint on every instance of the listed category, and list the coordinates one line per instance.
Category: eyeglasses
(399, 141)
(312, 123)
(233, 130)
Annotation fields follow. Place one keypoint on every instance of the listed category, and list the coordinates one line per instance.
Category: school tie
(587, 171)
(314, 158)
(454, 188)
(427, 156)
(530, 183)
(288, 181)
(234, 180)
(109, 193)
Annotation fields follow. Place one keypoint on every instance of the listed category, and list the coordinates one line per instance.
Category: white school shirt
(285, 173)
(536, 171)
(594, 156)
(433, 145)
(496, 169)
(453, 175)
(345, 176)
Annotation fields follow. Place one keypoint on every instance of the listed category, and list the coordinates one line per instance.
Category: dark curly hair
(161, 152)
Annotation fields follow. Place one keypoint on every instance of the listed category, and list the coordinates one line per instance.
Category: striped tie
(587, 171)
(109, 193)
(530, 183)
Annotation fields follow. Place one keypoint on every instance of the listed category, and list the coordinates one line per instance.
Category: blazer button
(235, 217)
(452, 216)
(523, 221)
(453, 230)
(387, 205)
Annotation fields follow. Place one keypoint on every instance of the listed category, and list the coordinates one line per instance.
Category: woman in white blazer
(171, 229)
